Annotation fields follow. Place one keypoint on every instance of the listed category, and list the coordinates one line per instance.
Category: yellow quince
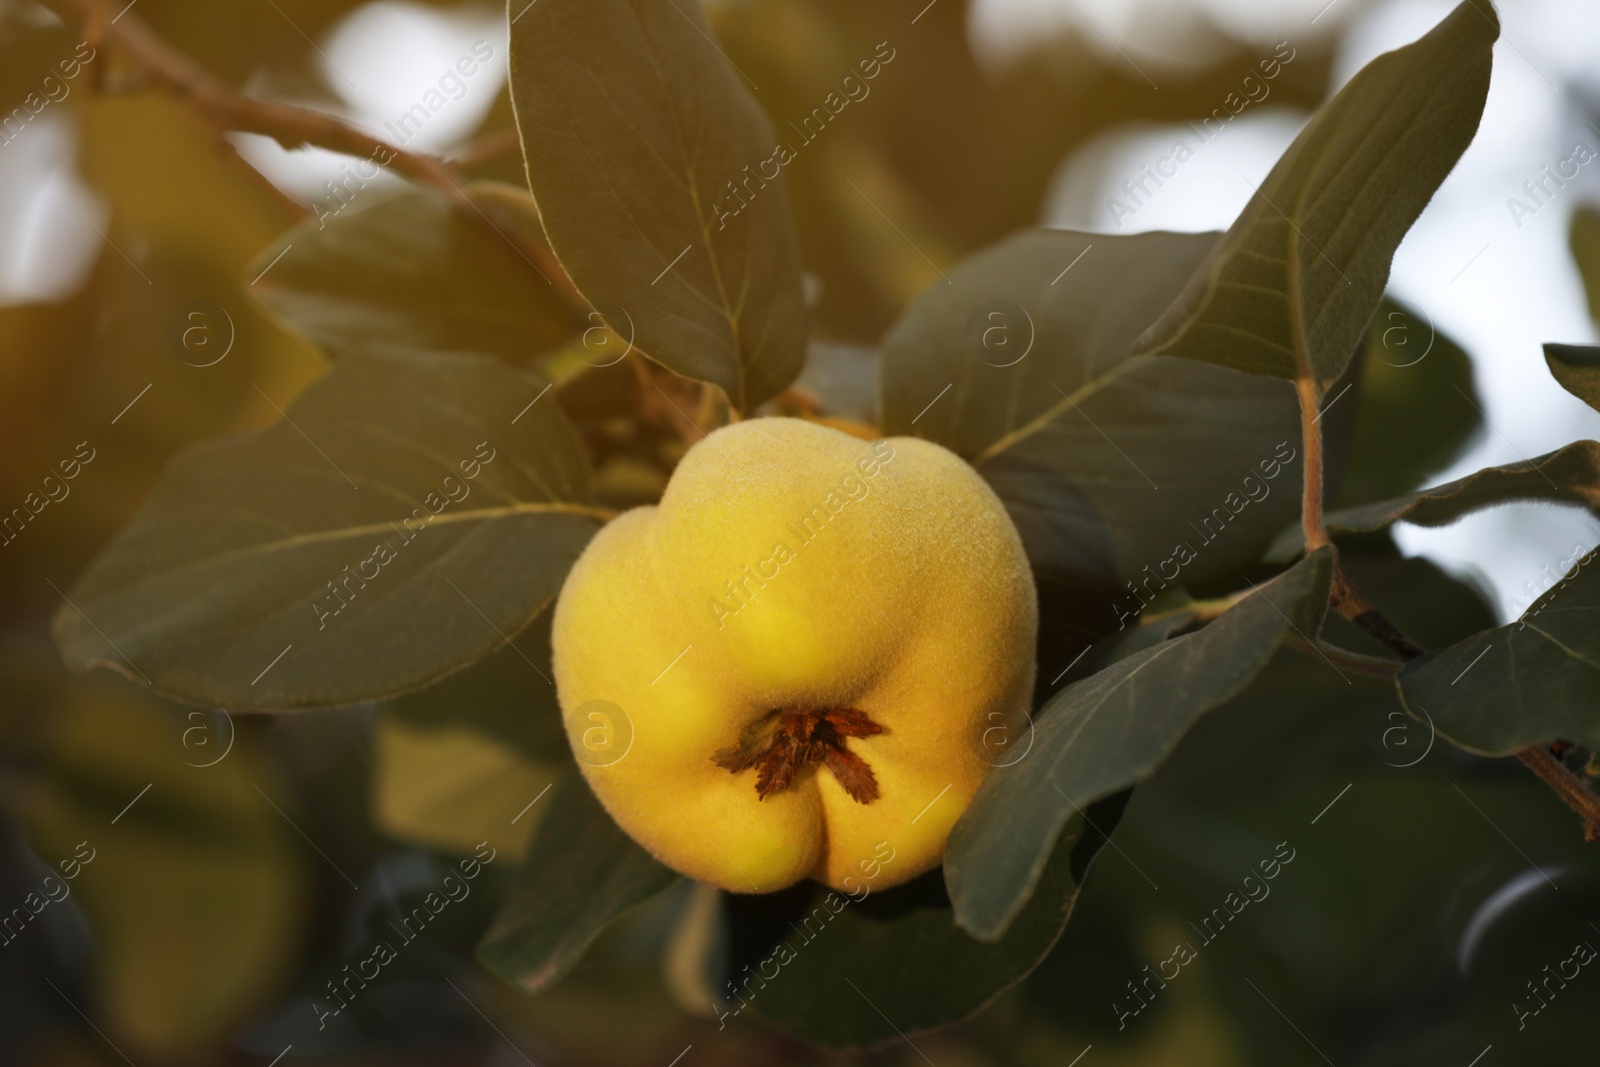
(788, 668)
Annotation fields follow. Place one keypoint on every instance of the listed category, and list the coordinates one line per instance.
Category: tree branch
(293, 125)
(1347, 600)
(489, 146)
(1570, 787)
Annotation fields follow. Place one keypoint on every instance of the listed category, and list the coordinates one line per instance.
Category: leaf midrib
(345, 533)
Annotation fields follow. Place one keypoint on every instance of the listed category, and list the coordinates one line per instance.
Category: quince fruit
(788, 668)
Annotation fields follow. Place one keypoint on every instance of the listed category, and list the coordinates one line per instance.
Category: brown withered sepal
(784, 742)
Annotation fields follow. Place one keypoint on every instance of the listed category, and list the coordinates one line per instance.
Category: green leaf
(1109, 732)
(1569, 475)
(649, 161)
(581, 874)
(416, 270)
(1583, 237)
(1021, 366)
(864, 970)
(461, 761)
(1529, 682)
(1418, 407)
(323, 560)
(1308, 258)
(449, 789)
(1577, 368)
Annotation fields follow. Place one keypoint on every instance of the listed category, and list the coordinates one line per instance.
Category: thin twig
(1374, 666)
(293, 125)
(1347, 600)
(94, 29)
(1570, 787)
(490, 146)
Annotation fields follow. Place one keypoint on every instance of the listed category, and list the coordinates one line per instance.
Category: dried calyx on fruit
(784, 743)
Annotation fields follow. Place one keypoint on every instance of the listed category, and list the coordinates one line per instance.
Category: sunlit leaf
(1577, 368)
(1308, 258)
(655, 173)
(1584, 239)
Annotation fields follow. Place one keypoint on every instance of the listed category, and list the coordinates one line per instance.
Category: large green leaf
(865, 972)
(1577, 368)
(1109, 732)
(418, 270)
(656, 178)
(1308, 258)
(409, 514)
(1418, 407)
(1569, 475)
(1526, 683)
(1106, 463)
(581, 874)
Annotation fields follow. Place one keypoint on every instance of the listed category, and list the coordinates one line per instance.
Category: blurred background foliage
(223, 895)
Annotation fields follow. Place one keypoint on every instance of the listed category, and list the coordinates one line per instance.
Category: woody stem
(1311, 521)
(291, 124)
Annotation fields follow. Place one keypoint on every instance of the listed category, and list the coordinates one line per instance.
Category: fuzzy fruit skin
(909, 599)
